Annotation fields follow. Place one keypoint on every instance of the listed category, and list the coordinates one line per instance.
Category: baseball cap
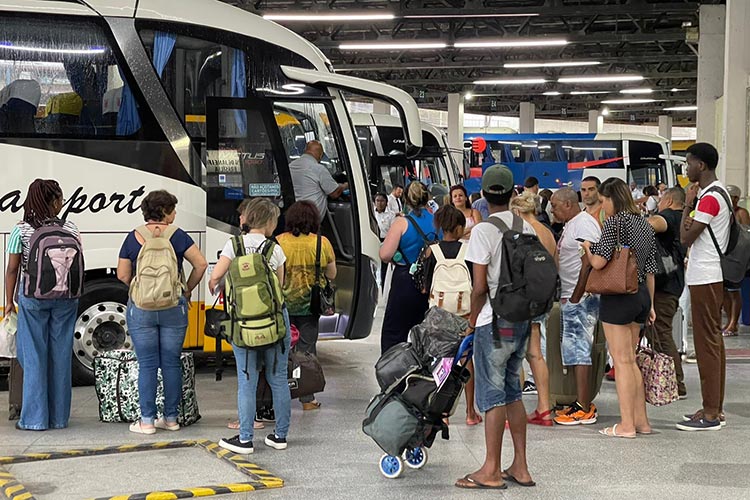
(734, 191)
(497, 179)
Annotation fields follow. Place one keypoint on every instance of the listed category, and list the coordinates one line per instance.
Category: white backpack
(451, 282)
(157, 284)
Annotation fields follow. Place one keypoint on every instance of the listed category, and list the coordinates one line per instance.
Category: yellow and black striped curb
(259, 478)
(11, 488)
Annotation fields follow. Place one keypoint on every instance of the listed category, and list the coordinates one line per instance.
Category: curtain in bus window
(239, 88)
(163, 46)
(83, 79)
(128, 119)
(489, 160)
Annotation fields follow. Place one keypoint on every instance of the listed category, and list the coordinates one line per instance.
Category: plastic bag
(438, 336)
(8, 336)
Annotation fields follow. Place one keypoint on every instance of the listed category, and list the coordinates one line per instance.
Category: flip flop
(612, 432)
(508, 477)
(476, 485)
(730, 333)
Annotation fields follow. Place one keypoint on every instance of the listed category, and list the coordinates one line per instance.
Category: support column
(596, 122)
(665, 127)
(456, 127)
(710, 71)
(526, 115)
(733, 164)
(381, 108)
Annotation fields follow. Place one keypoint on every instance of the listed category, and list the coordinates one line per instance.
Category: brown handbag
(619, 276)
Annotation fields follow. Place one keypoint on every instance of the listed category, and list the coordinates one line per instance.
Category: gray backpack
(55, 266)
(735, 262)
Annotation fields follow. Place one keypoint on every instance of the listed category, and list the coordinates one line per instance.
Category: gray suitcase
(679, 331)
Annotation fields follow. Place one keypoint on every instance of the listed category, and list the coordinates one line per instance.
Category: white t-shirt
(395, 205)
(485, 249)
(651, 204)
(582, 226)
(704, 265)
(253, 244)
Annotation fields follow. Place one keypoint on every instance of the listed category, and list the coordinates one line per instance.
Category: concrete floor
(330, 457)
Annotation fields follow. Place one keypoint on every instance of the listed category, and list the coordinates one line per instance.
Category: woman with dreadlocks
(45, 327)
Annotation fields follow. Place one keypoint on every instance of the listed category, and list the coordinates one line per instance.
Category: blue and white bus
(559, 160)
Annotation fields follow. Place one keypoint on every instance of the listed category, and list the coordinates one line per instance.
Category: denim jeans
(247, 383)
(158, 337)
(497, 364)
(45, 350)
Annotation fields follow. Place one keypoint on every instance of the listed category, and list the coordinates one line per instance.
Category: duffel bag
(392, 423)
(116, 374)
(396, 364)
(304, 376)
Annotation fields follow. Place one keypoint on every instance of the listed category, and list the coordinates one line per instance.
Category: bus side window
(75, 87)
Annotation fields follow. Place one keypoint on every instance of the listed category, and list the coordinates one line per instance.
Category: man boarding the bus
(312, 181)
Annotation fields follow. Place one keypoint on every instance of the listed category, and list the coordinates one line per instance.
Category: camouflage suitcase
(116, 374)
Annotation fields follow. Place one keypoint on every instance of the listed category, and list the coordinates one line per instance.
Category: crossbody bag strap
(318, 244)
(419, 229)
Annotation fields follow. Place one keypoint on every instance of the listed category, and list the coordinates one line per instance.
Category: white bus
(383, 144)
(115, 98)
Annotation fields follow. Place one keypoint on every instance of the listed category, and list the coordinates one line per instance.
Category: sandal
(730, 333)
(161, 423)
(612, 432)
(537, 418)
(138, 428)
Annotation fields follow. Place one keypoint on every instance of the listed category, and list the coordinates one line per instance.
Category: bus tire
(100, 326)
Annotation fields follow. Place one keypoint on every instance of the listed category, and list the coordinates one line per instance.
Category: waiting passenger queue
(487, 262)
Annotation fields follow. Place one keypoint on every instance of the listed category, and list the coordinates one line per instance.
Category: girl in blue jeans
(45, 327)
(260, 216)
(158, 335)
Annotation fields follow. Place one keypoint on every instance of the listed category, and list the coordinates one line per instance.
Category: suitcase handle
(465, 349)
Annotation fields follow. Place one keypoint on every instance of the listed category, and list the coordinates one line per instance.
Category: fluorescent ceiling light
(468, 96)
(551, 92)
(682, 108)
(469, 16)
(511, 143)
(678, 90)
(288, 89)
(637, 91)
(393, 46)
(488, 44)
(605, 111)
(511, 81)
(600, 79)
(557, 64)
(628, 101)
(535, 146)
(328, 17)
(587, 92)
(45, 50)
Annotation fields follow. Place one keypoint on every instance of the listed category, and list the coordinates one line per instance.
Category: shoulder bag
(322, 298)
(619, 276)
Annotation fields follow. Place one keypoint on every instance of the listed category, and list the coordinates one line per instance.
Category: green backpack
(254, 298)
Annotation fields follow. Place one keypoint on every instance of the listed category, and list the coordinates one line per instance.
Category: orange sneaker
(563, 411)
(577, 416)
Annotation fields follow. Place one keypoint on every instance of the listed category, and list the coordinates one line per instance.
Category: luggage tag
(297, 372)
(441, 371)
(413, 269)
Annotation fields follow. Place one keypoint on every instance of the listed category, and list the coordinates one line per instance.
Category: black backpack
(417, 268)
(526, 288)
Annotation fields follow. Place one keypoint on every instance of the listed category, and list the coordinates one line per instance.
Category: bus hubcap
(100, 328)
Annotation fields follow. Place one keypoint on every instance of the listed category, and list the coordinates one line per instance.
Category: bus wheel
(100, 326)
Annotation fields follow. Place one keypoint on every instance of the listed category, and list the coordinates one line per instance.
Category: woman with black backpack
(403, 245)
(45, 325)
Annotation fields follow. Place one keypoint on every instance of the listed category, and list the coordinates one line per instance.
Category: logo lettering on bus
(79, 202)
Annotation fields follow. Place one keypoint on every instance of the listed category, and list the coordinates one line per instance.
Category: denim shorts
(497, 364)
(578, 323)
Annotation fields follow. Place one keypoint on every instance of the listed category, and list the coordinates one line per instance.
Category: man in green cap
(497, 365)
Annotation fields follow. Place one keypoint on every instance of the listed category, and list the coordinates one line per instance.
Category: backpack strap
(517, 223)
(499, 223)
(462, 252)
(419, 229)
(723, 194)
(238, 245)
(438, 253)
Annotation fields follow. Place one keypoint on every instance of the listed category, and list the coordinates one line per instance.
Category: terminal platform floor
(330, 458)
